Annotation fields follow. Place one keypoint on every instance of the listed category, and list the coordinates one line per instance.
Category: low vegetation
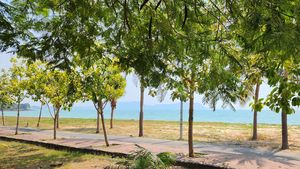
(22, 156)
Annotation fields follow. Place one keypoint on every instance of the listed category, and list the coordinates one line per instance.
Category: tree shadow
(245, 156)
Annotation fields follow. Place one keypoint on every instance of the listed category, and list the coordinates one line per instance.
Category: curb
(190, 164)
(179, 162)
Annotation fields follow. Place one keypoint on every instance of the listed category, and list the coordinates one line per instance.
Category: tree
(17, 86)
(99, 80)
(176, 93)
(114, 94)
(159, 37)
(179, 94)
(113, 106)
(253, 76)
(285, 95)
(147, 36)
(141, 117)
(5, 99)
(59, 93)
(270, 29)
(37, 80)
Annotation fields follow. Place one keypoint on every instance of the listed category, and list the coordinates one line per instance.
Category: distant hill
(14, 107)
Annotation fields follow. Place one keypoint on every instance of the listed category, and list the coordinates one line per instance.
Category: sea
(166, 112)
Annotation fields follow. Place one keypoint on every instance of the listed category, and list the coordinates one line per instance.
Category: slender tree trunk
(2, 113)
(49, 110)
(40, 115)
(181, 121)
(18, 119)
(57, 119)
(191, 118)
(54, 124)
(111, 117)
(100, 111)
(141, 120)
(284, 130)
(254, 136)
(98, 122)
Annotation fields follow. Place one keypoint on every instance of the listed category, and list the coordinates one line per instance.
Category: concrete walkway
(233, 156)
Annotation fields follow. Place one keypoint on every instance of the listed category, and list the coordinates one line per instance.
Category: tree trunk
(254, 136)
(181, 121)
(2, 113)
(54, 125)
(40, 115)
(98, 122)
(18, 118)
(57, 120)
(284, 130)
(191, 118)
(141, 120)
(100, 110)
(111, 117)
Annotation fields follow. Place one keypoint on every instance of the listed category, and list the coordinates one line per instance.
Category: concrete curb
(191, 164)
(179, 162)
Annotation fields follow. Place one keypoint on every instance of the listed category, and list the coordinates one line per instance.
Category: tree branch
(143, 4)
(185, 15)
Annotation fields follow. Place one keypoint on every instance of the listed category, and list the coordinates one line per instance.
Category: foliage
(7, 32)
(102, 80)
(143, 158)
(167, 158)
(57, 90)
(257, 106)
(270, 29)
(5, 99)
(17, 81)
(37, 80)
(285, 95)
(187, 47)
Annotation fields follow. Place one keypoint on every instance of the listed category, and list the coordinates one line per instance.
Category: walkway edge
(179, 162)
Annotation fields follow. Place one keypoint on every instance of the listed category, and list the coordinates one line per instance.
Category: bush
(167, 158)
(144, 159)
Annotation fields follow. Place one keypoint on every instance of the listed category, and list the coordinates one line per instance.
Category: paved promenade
(233, 156)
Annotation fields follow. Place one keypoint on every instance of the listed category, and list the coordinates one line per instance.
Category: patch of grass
(22, 156)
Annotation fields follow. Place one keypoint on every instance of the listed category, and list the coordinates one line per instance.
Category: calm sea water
(167, 113)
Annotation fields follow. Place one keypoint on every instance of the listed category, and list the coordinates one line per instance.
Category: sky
(132, 90)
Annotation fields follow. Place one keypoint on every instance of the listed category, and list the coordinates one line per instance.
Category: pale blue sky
(132, 91)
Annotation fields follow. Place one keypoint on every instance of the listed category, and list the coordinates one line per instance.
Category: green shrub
(167, 158)
(144, 159)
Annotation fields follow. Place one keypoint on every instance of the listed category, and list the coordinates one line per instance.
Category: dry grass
(269, 135)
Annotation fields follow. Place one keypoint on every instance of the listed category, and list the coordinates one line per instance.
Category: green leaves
(206, 47)
(5, 97)
(258, 106)
(18, 81)
(102, 80)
